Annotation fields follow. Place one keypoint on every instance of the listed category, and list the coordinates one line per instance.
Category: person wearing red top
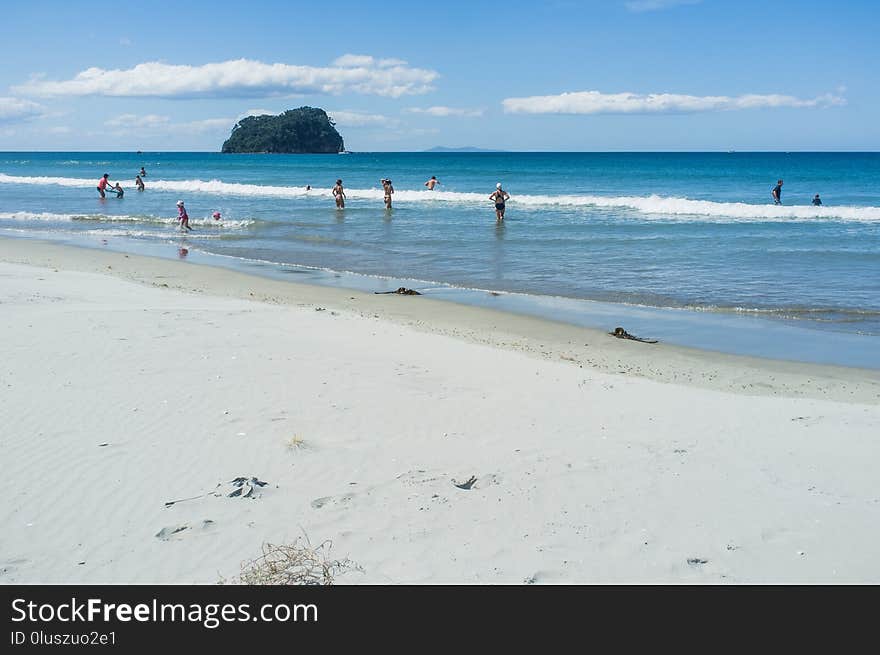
(102, 184)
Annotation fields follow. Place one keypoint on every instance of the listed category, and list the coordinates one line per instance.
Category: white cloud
(13, 110)
(133, 121)
(366, 61)
(256, 112)
(444, 111)
(639, 6)
(59, 129)
(157, 124)
(241, 78)
(345, 118)
(207, 125)
(595, 102)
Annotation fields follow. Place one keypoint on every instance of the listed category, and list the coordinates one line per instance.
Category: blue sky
(555, 75)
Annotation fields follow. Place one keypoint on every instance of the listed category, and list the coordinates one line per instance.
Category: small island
(299, 131)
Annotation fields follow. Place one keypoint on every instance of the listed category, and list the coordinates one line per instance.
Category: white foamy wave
(122, 218)
(651, 206)
(148, 234)
(42, 181)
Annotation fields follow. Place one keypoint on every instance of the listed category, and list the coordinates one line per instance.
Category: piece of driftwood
(620, 333)
(402, 291)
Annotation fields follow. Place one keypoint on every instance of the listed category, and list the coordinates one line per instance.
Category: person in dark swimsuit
(386, 186)
(817, 200)
(500, 197)
(777, 193)
(339, 194)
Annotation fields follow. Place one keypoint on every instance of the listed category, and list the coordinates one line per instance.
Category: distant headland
(300, 131)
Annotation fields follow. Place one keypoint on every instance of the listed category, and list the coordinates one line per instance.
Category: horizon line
(455, 151)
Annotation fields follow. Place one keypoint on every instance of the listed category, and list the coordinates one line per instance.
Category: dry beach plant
(293, 564)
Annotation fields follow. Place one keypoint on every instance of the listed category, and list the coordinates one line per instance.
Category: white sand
(596, 460)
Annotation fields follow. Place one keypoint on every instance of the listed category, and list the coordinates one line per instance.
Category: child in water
(118, 190)
(182, 216)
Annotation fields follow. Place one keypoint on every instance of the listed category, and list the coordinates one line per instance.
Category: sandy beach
(128, 382)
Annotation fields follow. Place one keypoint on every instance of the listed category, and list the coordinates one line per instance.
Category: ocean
(685, 247)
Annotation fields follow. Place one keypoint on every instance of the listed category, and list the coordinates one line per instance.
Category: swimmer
(182, 216)
(500, 196)
(143, 173)
(432, 183)
(216, 216)
(102, 184)
(386, 186)
(817, 200)
(118, 190)
(139, 183)
(339, 194)
(308, 187)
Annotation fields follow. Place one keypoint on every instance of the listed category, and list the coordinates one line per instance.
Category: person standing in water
(339, 194)
(386, 186)
(777, 193)
(500, 197)
(118, 190)
(143, 173)
(139, 183)
(182, 216)
(432, 183)
(817, 200)
(102, 184)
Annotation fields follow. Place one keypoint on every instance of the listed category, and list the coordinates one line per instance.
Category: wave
(122, 218)
(649, 206)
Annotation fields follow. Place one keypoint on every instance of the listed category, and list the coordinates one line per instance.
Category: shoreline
(537, 336)
(130, 381)
(747, 333)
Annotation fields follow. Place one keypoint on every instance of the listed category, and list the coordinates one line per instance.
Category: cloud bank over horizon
(596, 102)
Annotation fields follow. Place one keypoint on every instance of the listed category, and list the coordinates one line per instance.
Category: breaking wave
(653, 205)
(122, 218)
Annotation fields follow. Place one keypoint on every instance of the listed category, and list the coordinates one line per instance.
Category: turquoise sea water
(693, 236)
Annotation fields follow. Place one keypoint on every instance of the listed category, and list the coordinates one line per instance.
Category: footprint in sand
(318, 503)
(167, 533)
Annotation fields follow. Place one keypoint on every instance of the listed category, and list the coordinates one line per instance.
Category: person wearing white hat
(499, 196)
(182, 216)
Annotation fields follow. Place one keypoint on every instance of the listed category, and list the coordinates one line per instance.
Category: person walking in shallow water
(388, 189)
(777, 193)
(339, 194)
(500, 197)
(182, 216)
(139, 183)
(432, 183)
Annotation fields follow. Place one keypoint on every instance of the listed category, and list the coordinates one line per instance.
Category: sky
(559, 75)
